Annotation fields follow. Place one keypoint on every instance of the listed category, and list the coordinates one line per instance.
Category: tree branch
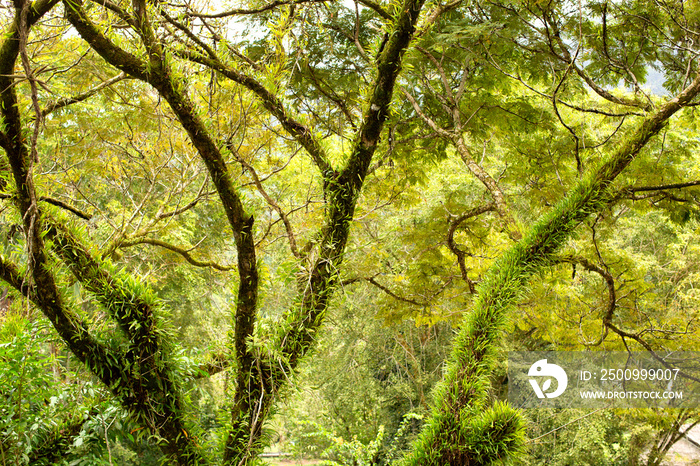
(125, 243)
(271, 202)
(377, 8)
(43, 290)
(297, 335)
(456, 250)
(386, 290)
(610, 312)
(272, 104)
(252, 11)
(457, 140)
(57, 203)
(218, 362)
(566, 57)
(636, 189)
(115, 56)
(63, 205)
(53, 106)
(463, 392)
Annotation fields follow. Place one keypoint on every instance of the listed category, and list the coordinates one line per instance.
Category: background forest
(318, 226)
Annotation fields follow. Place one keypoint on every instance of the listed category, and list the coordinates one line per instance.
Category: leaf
(546, 384)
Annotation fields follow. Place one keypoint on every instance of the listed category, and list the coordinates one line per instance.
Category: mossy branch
(113, 54)
(57, 203)
(103, 361)
(53, 441)
(146, 385)
(161, 77)
(379, 9)
(39, 283)
(463, 392)
(297, 335)
(252, 11)
(133, 312)
(343, 190)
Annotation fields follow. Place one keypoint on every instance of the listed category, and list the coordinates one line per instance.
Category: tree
(237, 100)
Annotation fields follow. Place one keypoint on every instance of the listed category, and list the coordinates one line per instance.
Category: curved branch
(271, 202)
(63, 205)
(491, 185)
(43, 290)
(185, 253)
(253, 11)
(456, 250)
(386, 290)
(377, 8)
(114, 55)
(57, 203)
(566, 57)
(607, 318)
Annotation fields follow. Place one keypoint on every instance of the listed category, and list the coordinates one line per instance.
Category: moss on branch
(463, 393)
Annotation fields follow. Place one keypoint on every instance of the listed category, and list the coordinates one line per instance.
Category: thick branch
(161, 78)
(52, 442)
(11, 275)
(377, 8)
(63, 205)
(342, 189)
(57, 203)
(134, 313)
(388, 68)
(115, 56)
(43, 290)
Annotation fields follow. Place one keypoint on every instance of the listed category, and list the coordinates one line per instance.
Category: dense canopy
(206, 207)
